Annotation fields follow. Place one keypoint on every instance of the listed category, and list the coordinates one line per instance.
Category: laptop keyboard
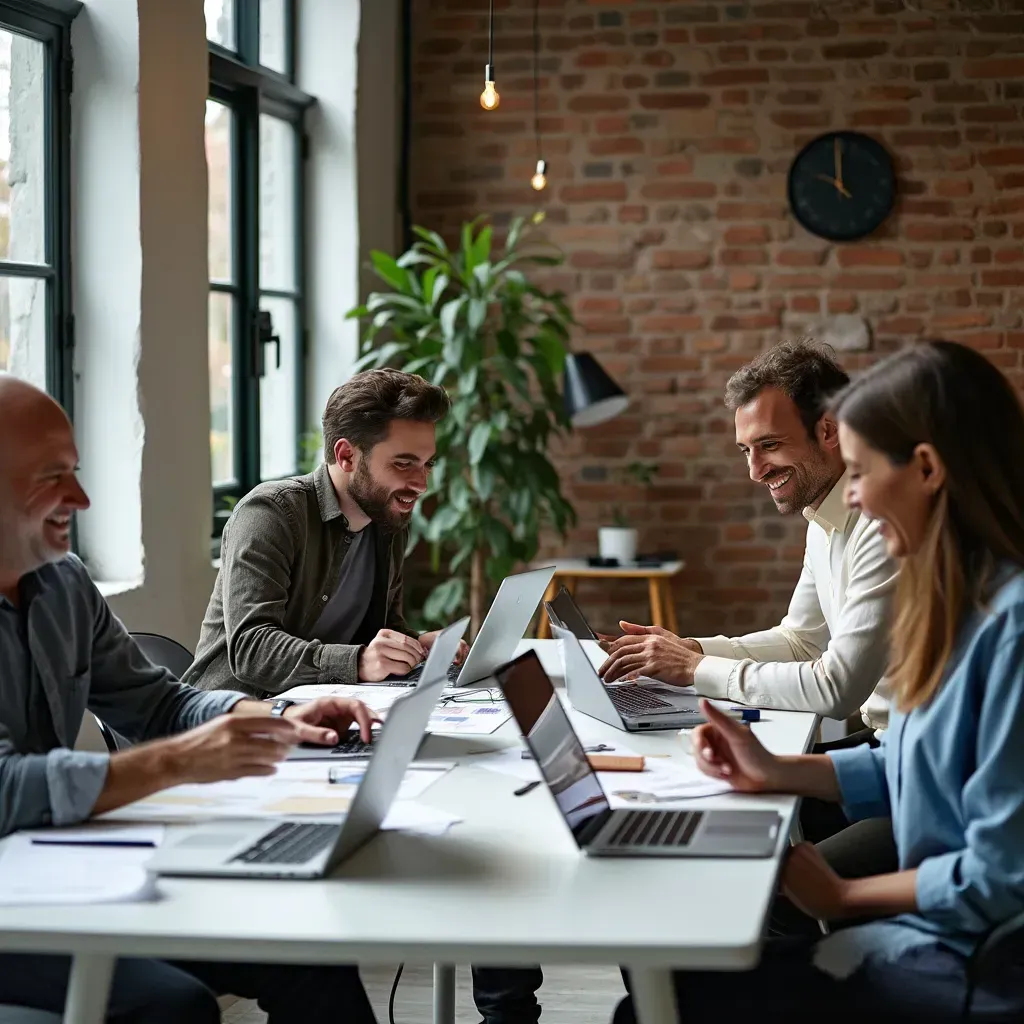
(413, 675)
(655, 828)
(354, 746)
(290, 843)
(635, 700)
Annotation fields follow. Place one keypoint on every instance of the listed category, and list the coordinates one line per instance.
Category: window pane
(278, 421)
(277, 203)
(23, 328)
(222, 411)
(22, 148)
(220, 21)
(274, 35)
(219, 171)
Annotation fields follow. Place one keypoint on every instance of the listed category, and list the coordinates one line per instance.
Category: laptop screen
(570, 617)
(553, 742)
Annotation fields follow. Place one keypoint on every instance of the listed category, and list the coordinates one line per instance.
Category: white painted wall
(141, 306)
(140, 279)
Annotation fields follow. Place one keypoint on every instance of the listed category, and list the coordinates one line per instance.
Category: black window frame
(49, 22)
(249, 90)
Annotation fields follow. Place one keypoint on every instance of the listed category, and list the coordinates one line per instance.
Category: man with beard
(829, 653)
(310, 584)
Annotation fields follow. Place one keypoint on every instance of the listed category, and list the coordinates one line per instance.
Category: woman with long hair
(933, 439)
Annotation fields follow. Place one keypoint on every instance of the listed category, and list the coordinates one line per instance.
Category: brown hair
(804, 370)
(951, 397)
(361, 409)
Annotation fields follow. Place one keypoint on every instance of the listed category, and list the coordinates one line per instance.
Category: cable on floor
(394, 990)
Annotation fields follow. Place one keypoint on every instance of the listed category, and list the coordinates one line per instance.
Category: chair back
(165, 652)
(1002, 948)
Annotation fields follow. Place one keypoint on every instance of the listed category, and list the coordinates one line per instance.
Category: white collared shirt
(829, 653)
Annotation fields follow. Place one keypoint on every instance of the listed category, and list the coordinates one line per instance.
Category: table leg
(653, 996)
(668, 602)
(543, 626)
(654, 592)
(88, 988)
(444, 994)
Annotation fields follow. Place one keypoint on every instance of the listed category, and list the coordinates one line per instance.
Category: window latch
(263, 335)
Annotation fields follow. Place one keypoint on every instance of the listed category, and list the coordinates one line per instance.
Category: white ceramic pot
(617, 542)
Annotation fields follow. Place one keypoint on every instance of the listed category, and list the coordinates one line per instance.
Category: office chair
(165, 652)
(1003, 947)
(162, 651)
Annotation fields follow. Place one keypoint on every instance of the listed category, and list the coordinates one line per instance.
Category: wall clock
(842, 186)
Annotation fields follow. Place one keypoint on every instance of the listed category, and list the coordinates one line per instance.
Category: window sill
(111, 588)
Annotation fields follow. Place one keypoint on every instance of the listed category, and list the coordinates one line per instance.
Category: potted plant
(469, 318)
(619, 541)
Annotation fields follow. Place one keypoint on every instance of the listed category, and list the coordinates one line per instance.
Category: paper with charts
(298, 789)
(457, 712)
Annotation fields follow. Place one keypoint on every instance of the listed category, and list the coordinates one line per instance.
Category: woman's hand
(811, 884)
(727, 750)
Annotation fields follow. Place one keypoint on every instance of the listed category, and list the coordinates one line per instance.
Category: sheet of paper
(412, 816)
(469, 719)
(662, 783)
(378, 698)
(62, 875)
(96, 833)
(271, 797)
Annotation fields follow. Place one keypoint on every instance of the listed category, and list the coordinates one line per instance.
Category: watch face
(842, 186)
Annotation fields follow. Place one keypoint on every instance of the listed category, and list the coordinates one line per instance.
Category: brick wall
(669, 128)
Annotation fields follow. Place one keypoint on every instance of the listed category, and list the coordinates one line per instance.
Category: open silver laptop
(309, 848)
(597, 828)
(351, 747)
(503, 627)
(635, 707)
(563, 611)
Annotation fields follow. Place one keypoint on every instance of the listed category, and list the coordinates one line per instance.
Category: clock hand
(838, 152)
(840, 187)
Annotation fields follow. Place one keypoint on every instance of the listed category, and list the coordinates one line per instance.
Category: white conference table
(506, 886)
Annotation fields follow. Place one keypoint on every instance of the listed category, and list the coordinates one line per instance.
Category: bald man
(63, 652)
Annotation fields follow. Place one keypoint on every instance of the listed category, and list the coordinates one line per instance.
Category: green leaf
(442, 521)
(357, 313)
(514, 231)
(484, 479)
(388, 270)
(445, 600)
(433, 238)
(551, 348)
(477, 314)
(449, 314)
(439, 285)
(478, 439)
(482, 245)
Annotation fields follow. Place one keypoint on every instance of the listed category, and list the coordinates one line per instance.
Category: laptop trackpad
(216, 838)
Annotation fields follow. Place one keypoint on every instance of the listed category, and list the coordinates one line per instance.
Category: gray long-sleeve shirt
(63, 652)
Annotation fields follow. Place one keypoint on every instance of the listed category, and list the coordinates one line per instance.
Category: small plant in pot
(619, 541)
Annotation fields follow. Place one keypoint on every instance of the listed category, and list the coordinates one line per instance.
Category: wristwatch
(280, 707)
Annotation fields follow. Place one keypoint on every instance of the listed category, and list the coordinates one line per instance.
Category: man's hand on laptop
(427, 639)
(323, 721)
(389, 653)
(649, 651)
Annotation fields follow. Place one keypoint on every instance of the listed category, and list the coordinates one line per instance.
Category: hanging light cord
(490, 36)
(536, 73)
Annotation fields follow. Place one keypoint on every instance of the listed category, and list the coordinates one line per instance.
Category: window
(35, 87)
(254, 153)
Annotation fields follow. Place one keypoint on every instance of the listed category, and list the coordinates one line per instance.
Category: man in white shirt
(829, 652)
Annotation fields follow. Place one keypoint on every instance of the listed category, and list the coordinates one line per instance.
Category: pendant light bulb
(539, 181)
(489, 98)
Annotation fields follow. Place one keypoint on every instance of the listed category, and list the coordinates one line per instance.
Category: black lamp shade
(591, 396)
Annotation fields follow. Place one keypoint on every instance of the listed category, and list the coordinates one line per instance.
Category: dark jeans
(924, 986)
(161, 992)
(507, 995)
(854, 850)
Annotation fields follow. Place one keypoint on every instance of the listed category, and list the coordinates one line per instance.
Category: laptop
(563, 611)
(503, 627)
(634, 707)
(599, 830)
(351, 746)
(310, 849)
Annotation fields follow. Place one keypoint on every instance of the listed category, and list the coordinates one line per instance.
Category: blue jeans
(925, 985)
(507, 995)
(161, 992)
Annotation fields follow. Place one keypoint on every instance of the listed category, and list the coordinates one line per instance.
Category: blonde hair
(954, 399)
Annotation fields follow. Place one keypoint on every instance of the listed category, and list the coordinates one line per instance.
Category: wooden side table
(659, 587)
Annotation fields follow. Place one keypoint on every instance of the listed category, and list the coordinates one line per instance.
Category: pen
(93, 842)
(523, 790)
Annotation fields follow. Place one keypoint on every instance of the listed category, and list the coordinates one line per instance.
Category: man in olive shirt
(63, 652)
(310, 583)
